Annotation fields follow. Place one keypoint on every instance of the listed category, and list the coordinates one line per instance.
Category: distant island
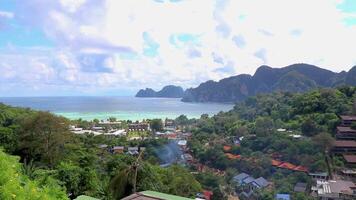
(293, 78)
(170, 91)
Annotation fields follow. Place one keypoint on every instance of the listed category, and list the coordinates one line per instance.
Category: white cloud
(6, 14)
(103, 43)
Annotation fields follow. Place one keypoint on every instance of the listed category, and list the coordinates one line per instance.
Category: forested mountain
(169, 91)
(293, 78)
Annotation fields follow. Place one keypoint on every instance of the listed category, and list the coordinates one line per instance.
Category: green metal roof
(163, 195)
(83, 197)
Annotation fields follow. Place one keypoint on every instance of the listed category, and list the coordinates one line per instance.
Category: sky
(113, 47)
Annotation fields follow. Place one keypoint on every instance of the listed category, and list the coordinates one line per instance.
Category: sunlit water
(124, 108)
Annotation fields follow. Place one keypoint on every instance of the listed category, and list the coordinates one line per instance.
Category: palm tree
(125, 181)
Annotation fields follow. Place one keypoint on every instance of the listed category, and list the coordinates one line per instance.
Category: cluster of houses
(247, 185)
(122, 149)
(343, 185)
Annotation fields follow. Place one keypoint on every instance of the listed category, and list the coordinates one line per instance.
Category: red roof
(345, 143)
(350, 158)
(289, 166)
(227, 148)
(232, 156)
(301, 169)
(207, 194)
(276, 163)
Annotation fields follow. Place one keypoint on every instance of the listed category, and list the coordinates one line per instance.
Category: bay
(123, 108)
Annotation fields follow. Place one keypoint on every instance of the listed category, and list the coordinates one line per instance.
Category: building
(83, 197)
(300, 187)
(347, 120)
(344, 146)
(139, 127)
(152, 195)
(288, 166)
(334, 190)
(132, 150)
(319, 176)
(247, 185)
(345, 133)
(118, 149)
(169, 125)
(98, 128)
(350, 160)
(282, 196)
(120, 132)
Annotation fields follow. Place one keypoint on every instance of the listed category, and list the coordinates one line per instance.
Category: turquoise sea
(123, 108)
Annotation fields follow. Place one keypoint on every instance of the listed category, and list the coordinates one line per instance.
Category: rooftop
(300, 187)
(348, 117)
(283, 197)
(83, 197)
(261, 182)
(350, 158)
(336, 187)
(345, 129)
(152, 195)
(345, 143)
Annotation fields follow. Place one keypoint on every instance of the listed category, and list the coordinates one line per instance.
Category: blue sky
(110, 47)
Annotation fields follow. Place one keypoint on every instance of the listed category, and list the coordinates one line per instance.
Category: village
(336, 183)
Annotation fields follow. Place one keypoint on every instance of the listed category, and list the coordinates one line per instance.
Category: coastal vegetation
(43, 158)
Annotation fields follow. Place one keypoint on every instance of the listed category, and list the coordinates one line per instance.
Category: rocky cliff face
(293, 78)
(169, 91)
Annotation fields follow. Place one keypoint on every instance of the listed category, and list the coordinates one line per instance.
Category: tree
(15, 185)
(43, 136)
(324, 141)
(112, 119)
(309, 127)
(156, 125)
(8, 139)
(264, 126)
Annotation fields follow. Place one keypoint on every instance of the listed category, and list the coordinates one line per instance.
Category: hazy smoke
(169, 154)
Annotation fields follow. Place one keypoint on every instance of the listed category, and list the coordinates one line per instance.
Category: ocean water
(123, 108)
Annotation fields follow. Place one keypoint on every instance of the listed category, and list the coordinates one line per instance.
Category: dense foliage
(56, 160)
(14, 184)
(266, 125)
(57, 163)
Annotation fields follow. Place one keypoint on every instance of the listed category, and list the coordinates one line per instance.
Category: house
(84, 197)
(182, 143)
(345, 133)
(138, 126)
(247, 184)
(169, 124)
(120, 132)
(319, 176)
(188, 157)
(103, 146)
(349, 173)
(282, 196)
(350, 160)
(300, 187)
(152, 195)
(334, 189)
(344, 146)
(288, 166)
(205, 195)
(347, 120)
(98, 128)
(132, 150)
(239, 178)
(118, 149)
